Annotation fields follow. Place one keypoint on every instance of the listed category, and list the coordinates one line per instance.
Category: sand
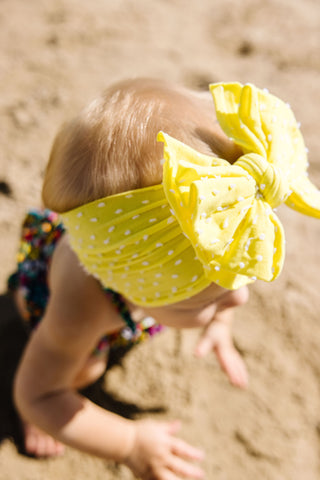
(55, 57)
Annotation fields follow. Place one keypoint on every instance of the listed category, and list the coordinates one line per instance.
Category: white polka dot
(93, 219)
(240, 198)
(241, 265)
(110, 229)
(254, 278)
(159, 245)
(259, 258)
(155, 284)
(262, 186)
(262, 236)
(226, 223)
(170, 252)
(201, 197)
(77, 227)
(151, 220)
(215, 240)
(171, 190)
(129, 195)
(92, 237)
(135, 217)
(145, 237)
(178, 262)
(135, 255)
(157, 294)
(203, 215)
(127, 232)
(158, 275)
(101, 204)
(91, 247)
(217, 268)
(170, 220)
(145, 201)
(118, 211)
(106, 241)
(141, 280)
(174, 275)
(194, 278)
(145, 263)
(174, 289)
(118, 252)
(269, 137)
(79, 214)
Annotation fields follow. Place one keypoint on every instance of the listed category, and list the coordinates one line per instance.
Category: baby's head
(160, 232)
(111, 146)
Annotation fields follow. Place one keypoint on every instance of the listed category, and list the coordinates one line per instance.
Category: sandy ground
(55, 57)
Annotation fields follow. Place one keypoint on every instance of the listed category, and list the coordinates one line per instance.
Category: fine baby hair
(111, 147)
(209, 221)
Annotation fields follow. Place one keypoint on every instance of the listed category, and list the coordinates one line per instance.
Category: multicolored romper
(41, 231)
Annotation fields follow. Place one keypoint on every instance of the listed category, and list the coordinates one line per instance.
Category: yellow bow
(226, 210)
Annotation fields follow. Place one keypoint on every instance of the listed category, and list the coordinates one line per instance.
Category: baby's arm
(76, 317)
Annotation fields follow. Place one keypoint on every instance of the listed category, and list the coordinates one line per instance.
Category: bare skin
(61, 415)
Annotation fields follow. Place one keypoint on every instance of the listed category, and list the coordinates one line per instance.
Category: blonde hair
(111, 146)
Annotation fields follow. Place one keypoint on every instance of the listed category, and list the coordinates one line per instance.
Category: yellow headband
(210, 221)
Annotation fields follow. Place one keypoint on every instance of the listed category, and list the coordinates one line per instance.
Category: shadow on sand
(13, 338)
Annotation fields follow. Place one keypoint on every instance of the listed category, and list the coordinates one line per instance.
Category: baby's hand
(158, 455)
(217, 337)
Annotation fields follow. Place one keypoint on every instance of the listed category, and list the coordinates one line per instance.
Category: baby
(146, 242)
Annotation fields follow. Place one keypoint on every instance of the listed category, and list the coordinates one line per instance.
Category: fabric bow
(226, 210)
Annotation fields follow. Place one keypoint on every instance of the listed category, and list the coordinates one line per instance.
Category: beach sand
(55, 57)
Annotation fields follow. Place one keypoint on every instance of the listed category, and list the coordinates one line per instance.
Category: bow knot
(272, 184)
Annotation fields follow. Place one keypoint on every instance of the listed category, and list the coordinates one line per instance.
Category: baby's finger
(185, 469)
(183, 449)
(204, 346)
(234, 366)
(172, 427)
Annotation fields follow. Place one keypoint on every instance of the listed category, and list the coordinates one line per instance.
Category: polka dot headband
(209, 221)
